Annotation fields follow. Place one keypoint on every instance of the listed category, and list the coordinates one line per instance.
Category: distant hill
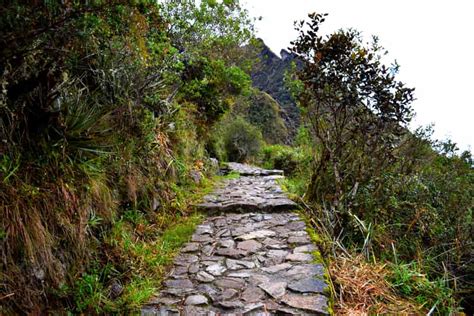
(268, 76)
(264, 112)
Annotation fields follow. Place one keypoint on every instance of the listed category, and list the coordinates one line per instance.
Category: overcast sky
(431, 40)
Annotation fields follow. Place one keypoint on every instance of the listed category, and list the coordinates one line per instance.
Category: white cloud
(432, 41)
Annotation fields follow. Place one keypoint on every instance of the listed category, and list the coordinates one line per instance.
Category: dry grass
(361, 289)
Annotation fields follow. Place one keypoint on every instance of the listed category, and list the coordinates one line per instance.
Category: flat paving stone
(308, 286)
(274, 289)
(300, 257)
(249, 245)
(254, 263)
(196, 300)
(314, 303)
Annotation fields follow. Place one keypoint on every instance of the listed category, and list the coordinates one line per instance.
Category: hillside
(268, 75)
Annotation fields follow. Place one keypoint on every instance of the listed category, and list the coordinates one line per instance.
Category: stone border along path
(254, 263)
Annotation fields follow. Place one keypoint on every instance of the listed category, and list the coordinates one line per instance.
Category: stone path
(253, 263)
(256, 190)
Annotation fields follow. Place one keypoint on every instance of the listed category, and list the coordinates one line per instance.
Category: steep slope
(263, 111)
(269, 75)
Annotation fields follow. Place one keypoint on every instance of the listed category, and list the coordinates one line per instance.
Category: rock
(227, 294)
(214, 164)
(179, 287)
(231, 304)
(196, 300)
(230, 283)
(257, 234)
(298, 240)
(315, 303)
(193, 268)
(231, 252)
(212, 258)
(308, 286)
(274, 289)
(239, 264)
(273, 243)
(305, 271)
(239, 275)
(245, 263)
(249, 245)
(223, 233)
(180, 283)
(185, 259)
(164, 300)
(192, 310)
(300, 257)
(252, 295)
(252, 307)
(227, 243)
(300, 233)
(204, 229)
(156, 203)
(277, 268)
(190, 247)
(216, 269)
(220, 222)
(278, 309)
(179, 271)
(257, 279)
(196, 176)
(277, 253)
(115, 289)
(207, 289)
(305, 248)
(208, 250)
(203, 276)
(201, 238)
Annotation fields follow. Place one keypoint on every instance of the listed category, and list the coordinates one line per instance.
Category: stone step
(248, 170)
(248, 194)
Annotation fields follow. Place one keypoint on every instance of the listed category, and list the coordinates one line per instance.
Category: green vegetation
(143, 254)
(376, 188)
(235, 139)
(105, 109)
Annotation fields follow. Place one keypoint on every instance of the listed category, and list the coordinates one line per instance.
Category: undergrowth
(129, 281)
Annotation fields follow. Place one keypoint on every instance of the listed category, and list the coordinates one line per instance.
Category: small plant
(89, 293)
(435, 295)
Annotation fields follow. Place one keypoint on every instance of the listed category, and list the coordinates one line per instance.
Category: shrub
(289, 159)
(235, 139)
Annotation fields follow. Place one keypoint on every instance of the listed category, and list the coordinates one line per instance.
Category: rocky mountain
(268, 76)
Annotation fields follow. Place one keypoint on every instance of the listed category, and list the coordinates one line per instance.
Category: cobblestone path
(252, 263)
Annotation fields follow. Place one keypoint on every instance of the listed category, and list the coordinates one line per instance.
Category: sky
(431, 40)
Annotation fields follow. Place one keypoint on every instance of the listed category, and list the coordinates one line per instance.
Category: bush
(235, 139)
(289, 159)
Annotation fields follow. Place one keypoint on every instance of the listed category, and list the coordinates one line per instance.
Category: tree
(208, 37)
(356, 109)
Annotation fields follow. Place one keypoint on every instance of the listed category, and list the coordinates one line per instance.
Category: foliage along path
(257, 262)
